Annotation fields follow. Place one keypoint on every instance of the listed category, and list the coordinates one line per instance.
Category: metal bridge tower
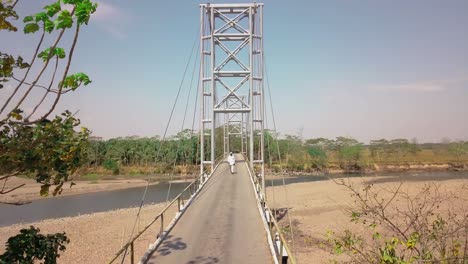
(231, 76)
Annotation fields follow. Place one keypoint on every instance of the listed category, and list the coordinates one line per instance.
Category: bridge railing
(179, 203)
(283, 253)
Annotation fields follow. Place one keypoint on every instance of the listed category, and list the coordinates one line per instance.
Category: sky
(360, 68)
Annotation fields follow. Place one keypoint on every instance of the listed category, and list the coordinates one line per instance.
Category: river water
(111, 200)
(73, 205)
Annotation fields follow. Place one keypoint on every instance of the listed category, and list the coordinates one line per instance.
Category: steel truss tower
(231, 81)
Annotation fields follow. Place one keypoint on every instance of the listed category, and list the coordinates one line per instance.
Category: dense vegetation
(32, 141)
(179, 154)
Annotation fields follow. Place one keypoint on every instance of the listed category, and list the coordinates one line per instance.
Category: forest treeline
(180, 154)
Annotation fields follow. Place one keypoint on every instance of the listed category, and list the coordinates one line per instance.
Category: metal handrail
(275, 232)
(180, 204)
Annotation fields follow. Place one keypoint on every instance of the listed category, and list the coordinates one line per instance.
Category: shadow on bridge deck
(222, 225)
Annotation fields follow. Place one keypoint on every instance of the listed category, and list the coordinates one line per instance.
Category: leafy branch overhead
(46, 149)
(54, 17)
(49, 150)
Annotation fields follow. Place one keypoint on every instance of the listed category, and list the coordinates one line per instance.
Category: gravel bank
(316, 207)
(30, 190)
(95, 238)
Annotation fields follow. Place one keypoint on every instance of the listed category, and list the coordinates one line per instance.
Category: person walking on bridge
(232, 161)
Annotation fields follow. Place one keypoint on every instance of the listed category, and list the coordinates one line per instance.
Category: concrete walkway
(222, 225)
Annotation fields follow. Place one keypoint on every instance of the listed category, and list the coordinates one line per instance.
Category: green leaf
(42, 16)
(83, 78)
(49, 53)
(53, 9)
(45, 190)
(74, 81)
(16, 114)
(84, 10)
(71, 2)
(45, 54)
(27, 19)
(49, 26)
(60, 52)
(64, 20)
(31, 28)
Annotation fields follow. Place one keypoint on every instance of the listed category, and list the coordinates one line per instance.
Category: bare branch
(47, 91)
(43, 87)
(40, 73)
(12, 189)
(4, 177)
(75, 39)
(25, 75)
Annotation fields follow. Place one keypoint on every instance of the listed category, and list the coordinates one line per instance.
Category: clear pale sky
(360, 68)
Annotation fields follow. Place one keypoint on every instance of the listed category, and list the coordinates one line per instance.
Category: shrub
(420, 232)
(29, 246)
(112, 165)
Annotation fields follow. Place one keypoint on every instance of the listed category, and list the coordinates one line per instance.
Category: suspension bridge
(222, 217)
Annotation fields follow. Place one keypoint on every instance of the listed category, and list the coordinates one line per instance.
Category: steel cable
(161, 144)
(279, 155)
(183, 123)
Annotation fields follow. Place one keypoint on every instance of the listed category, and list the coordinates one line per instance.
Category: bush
(112, 165)
(422, 232)
(319, 157)
(29, 247)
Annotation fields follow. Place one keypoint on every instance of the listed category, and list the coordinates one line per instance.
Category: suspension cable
(161, 144)
(279, 155)
(269, 156)
(183, 122)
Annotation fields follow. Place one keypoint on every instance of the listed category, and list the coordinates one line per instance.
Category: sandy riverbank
(30, 191)
(95, 238)
(316, 207)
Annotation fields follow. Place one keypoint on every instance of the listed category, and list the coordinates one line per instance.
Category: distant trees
(396, 148)
(32, 141)
(317, 149)
(296, 154)
(459, 149)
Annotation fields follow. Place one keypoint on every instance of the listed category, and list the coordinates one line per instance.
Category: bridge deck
(222, 225)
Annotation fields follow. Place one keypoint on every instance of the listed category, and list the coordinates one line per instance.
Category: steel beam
(232, 80)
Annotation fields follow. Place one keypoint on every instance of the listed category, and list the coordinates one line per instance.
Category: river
(74, 205)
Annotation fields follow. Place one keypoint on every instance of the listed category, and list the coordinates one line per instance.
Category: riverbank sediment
(316, 207)
(96, 238)
(376, 168)
(30, 190)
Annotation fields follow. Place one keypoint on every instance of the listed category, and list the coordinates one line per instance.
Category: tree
(49, 149)
(378, 148)
(459, 149)
(316, 148)
(32, 143)
(349, 152)
(318, 156)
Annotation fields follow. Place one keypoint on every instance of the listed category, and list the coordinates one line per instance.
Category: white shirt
(231, 160)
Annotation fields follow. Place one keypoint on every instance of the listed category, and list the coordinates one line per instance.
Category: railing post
(132, 254)
(178, 203)
(162, 223)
